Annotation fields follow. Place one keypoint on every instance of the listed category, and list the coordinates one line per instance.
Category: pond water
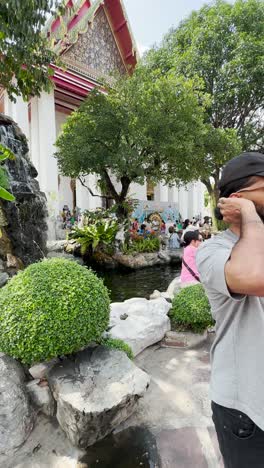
(132, 448)
(125, 284)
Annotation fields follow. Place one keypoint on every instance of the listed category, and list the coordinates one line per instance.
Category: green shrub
(117, 344)
(191, 309)
(100, 233)
(52, 308)
(148, 245)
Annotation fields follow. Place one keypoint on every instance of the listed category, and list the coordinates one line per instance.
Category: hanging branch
(91, 192)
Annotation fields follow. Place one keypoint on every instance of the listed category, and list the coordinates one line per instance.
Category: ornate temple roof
(64, 31)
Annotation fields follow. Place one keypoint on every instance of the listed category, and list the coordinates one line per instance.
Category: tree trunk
(120, 198)
(213, 199)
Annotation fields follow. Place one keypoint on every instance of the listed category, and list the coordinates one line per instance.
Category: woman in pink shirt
(189, 272)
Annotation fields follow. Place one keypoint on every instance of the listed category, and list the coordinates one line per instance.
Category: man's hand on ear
(231, 208)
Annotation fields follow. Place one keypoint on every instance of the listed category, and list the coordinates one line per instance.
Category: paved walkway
(176, 408)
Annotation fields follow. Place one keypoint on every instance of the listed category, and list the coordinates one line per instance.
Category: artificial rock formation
(95, 392)
(23, 222)
(139, 323)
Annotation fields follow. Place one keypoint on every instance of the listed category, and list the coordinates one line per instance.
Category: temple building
(95, 42)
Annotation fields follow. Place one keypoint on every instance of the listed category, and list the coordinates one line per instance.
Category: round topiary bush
(52, 308)
(191, 309)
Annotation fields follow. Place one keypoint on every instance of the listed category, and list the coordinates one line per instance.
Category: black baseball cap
(244, 165)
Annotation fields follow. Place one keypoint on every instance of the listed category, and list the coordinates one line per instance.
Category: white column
(65, 192)
(200, 195)
(164, 193)
(183, 202)
(174, 194)
(191, 195)
(18, 111)
(47, 138)
(34, 136)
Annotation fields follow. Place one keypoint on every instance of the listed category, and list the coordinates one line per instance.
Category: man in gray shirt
(231, 268)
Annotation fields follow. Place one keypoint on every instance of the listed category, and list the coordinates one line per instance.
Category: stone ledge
(174, 339)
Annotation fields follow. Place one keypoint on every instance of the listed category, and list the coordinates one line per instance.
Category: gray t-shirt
(237, 354)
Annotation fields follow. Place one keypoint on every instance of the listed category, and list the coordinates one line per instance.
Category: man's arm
(244, 271)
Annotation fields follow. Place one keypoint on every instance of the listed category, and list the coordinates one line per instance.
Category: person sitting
(173, 239)
(189, 272)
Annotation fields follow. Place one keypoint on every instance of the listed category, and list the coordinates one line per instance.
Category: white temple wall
(183, 202)
(173, 194)
(138, 191)
(65, 194)
(18, 111)
(84, 200)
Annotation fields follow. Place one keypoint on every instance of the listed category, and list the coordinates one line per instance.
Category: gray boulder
(95, 393)
(3, 279)
(146, 324)
(16, 414)
(41, 397)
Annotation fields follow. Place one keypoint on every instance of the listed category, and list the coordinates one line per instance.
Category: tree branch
(91, 192)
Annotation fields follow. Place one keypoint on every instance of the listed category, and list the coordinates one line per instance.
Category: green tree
(133, 131)
(223, 45)
(25, 52)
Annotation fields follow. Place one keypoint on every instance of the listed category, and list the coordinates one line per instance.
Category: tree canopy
(222, 45)
(134, 131)
(24, 51)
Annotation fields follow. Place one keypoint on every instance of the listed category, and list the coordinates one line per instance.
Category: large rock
(25, 229)
(146, 323)
(16, 414)
(95, 393)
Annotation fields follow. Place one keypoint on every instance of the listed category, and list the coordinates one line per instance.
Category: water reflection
(133, 448)
(138, 283)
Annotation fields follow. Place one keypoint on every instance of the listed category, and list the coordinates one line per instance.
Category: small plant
(140, 245)
(191, 309)
(117, 344)
(94, 235)
(52, 308)
(5, 153)
(100, 214)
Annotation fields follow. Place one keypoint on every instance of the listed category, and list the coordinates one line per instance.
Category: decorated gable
(96, 48)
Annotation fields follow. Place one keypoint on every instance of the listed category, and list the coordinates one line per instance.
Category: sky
(151, 19)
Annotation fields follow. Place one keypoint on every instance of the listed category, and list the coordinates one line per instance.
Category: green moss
(53, 308)
(191, 309)
(117, 344)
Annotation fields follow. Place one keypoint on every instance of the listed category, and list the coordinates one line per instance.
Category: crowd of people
(173, 235)
(68, 218)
